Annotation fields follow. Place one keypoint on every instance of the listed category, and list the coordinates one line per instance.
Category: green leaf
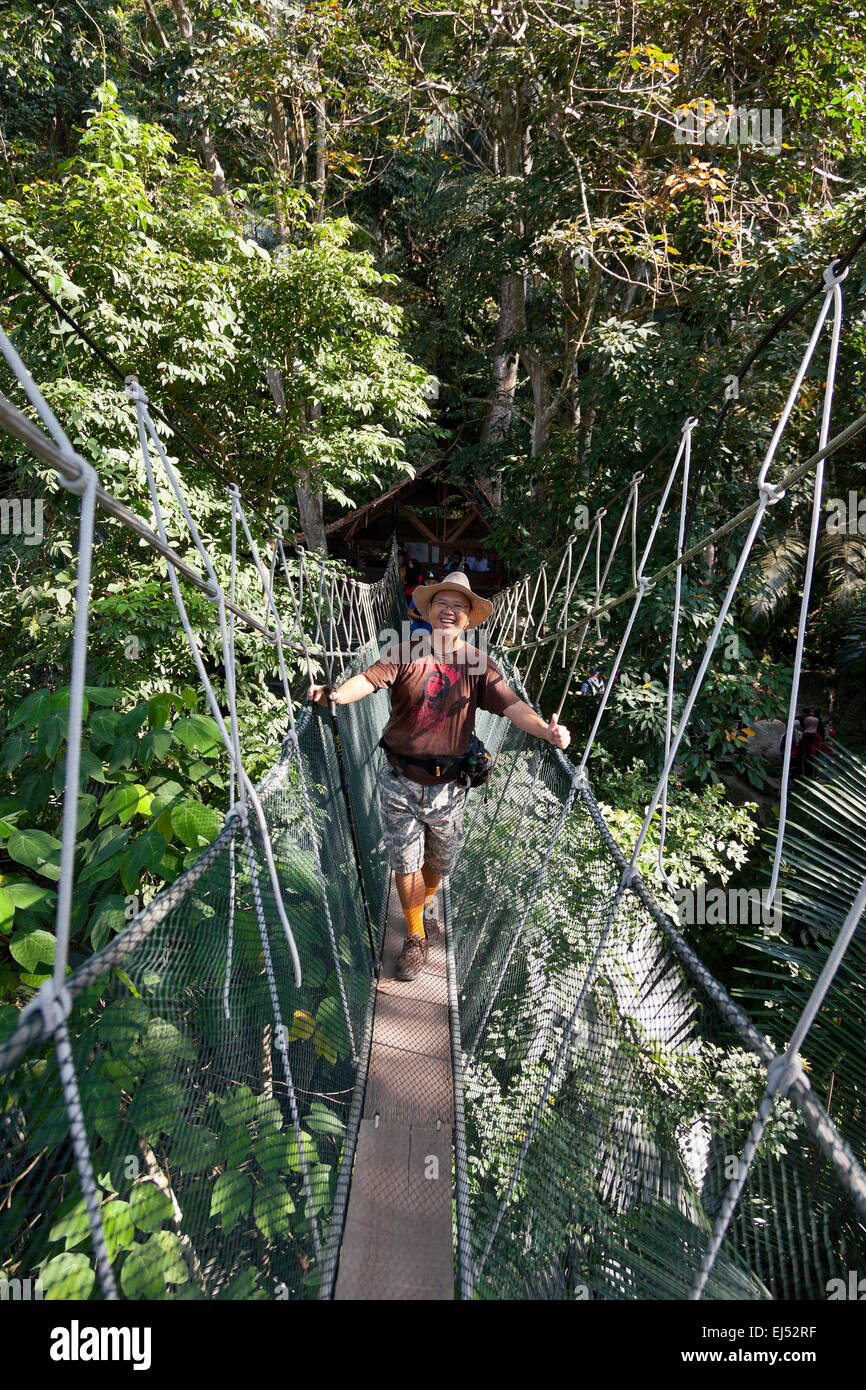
(164, 1043)
(67, 1276)
(102, 695)
(31, 710)
(131, 722)
(30, 895)
(29, 947)
(310, 1154)
(157, 1107)
(238, 1106)
(7, 910)
(36, 850)
(103, 724)
(148, 1268)
(234, 1144)
(272, 1152)
(123, 1023)
(91, 767)
(15, 747)
(159, 711)
(195, 1149)
(150, 1207)
(85, 812)
(323, 1120)
(102, 853)
(198, 733)
(146, 853)
(196, 825)
(155, 745)
(118, 800)
(272, 1210)
(71, 1224)
(123, 753)
(109, 916)
(118, 1226)
(231, 1198)
(52, 732)
(332, 1024)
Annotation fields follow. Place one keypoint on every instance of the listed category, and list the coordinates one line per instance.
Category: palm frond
(775, 577)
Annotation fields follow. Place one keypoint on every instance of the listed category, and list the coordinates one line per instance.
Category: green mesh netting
(183, 1087)
(605, 1183)
(595, 1162)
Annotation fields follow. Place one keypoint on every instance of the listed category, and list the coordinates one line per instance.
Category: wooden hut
(433, 518)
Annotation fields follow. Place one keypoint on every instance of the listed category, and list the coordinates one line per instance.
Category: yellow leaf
(303, 1026)
(324, 1048)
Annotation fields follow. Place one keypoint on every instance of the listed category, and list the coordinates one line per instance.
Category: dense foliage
(287, 221)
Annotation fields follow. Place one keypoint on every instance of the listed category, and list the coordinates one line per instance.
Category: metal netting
(607, 1101)
(206, 1188)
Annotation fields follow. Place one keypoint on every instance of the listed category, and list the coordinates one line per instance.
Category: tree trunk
(203, 130)
(310, 503)
(282, 158)
(219, 187)
(184, 23)
(155, 24)
(321, 156)
(512, 295)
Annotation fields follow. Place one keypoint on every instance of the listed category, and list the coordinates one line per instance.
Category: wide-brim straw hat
(423, 596)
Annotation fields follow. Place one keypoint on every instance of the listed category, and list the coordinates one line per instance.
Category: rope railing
(346, 617)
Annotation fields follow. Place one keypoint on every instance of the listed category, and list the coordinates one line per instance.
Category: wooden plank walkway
(397, 1241)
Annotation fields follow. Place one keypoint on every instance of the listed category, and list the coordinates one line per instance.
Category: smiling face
(449, 612)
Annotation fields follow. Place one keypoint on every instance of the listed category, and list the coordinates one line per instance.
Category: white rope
(145, 428)
(685, 451)
(281, 1034)
(834, 294)
(643, 587)
(53, 1001)
(232, 783)
(781, 1074)
(237, 506)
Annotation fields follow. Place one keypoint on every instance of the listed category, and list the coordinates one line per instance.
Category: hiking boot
(432, 920)
(412, 958)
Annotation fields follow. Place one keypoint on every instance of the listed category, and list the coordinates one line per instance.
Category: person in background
(482, 564)
(456, 561)
(796, 754)
(418, 624)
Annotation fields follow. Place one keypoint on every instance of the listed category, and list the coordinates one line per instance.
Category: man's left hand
(557, 734)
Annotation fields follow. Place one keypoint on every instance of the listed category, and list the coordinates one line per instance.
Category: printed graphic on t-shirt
(430, 714)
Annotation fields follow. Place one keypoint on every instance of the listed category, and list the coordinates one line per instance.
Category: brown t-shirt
(433, 702)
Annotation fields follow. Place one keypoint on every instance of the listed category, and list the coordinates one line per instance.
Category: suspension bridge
(233, 1098)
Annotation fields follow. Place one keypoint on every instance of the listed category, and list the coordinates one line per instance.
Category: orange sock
(415, 919)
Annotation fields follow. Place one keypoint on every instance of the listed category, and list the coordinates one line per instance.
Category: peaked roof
(385, 499)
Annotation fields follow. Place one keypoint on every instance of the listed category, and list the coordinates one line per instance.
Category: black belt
(441, 766)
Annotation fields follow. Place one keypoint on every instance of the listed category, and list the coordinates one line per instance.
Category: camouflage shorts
(420, 825)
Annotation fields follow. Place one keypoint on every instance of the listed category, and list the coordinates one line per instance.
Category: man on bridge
(436, 686)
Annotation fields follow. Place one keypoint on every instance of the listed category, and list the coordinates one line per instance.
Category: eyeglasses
(445, 603)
